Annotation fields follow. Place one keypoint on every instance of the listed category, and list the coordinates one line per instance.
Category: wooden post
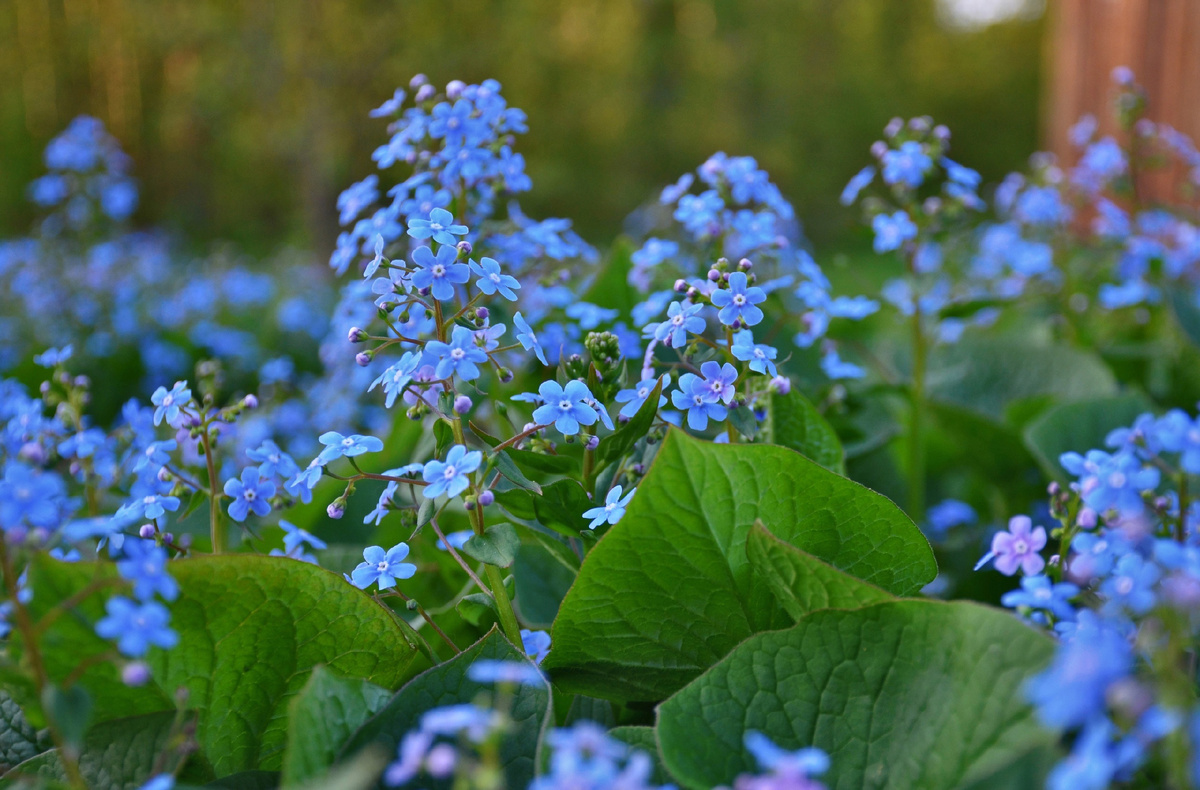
(1158, 39)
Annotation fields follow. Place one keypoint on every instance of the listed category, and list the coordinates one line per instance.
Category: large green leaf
(118, 754)
(542, 580)
(801, 582)
(1079, 426)
(987, 375)
(793, 422)
(251, 628)
(448, 684)
(323, 715)
(900, 694)
(643, 739)
(669, 590)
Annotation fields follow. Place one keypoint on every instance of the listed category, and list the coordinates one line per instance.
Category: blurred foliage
(246, 118)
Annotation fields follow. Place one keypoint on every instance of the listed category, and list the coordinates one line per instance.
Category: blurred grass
(246, 118)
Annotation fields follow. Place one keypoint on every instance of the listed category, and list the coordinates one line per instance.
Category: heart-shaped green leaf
(793, 422)
(497, 546)
(900, 694)
(669, 590)
(326, 712)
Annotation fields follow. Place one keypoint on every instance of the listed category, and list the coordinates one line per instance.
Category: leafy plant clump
(513, 514)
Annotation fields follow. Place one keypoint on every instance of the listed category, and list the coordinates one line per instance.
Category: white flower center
(494, 278)
(435, 226)
(678, 320)
(564, 405)
(168, 399)
(1021, 547)
(457, 353)
(739, 299)
(250, 494)
(438, 270)
(382, 566)
(347, 442)
(1116, 480)
(451, 472)
(1124, 585)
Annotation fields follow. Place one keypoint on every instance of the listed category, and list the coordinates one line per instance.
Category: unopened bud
(487, 498)
(135, 673)
(464, 247)
(356, 335)
(462, 404)
(250, 401)
(363, 358)
(336, 509)
(592, 442)
(147, 531)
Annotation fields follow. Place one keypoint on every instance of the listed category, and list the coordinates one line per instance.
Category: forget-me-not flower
(383, 568)
(566, 407)
(440, 227)
(613, 508)
(250, 493)
(439, 273)
(452, 476)
(740, 301)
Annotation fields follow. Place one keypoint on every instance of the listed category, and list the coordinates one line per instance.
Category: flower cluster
(1121, 593)
(739, 214)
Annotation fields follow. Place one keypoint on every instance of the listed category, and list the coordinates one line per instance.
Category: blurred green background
(245, 118)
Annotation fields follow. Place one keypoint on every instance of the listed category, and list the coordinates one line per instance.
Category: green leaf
(118, 754)
(560, 506)
(68, 710)
(507, 467)
(801, 582)
(614, 447)
(793, 422)
(669, 590)
(644, 739)
(531, 462)
(1079, 426)
(323, 716)
(443, 436)
(448, 684)
(611, 287)
(1186, 311)
(479, 609)
(900, 694)
(18, 738)
(497, 546)
(251, 628)
(542, 581)
(988, 374)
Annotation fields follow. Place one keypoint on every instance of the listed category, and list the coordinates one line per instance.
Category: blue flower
(460, 356)
(155, 456)
(1072, 690)
(490, 670)
(250, 493)
(528, 339)
(680, 321)
(856, 185)
(452, 476)
(145, 565)
(383, 568)
(906, 165)
(439, 274)
(1131, 585)
(801, 763)
(613, 508)
(160, 782)
(760, 356)
(150, 506)
(31, 497)
(1092, 763)
(273, 462)
(377, 261)
(635, 397)
(440, 227)
(294, 537)
(536, 644)
(696, 397)
(738, 303)
(1041, 206)
(356, 198)
(566, 407)
(303, 483)
(1038, 592)
(397, 377)
(167, 404)
(339, 446)
(1111, 481)
(892, 230)
(53, 357)
(653, 252)
(947, 514)
(136, 627)
(389, 107)
(491, 280)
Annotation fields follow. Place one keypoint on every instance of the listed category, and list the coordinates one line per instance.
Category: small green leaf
(1186, 311)
(793, 422)
(479, 609)
(542, 580)
(900, 694)
(743, 421)
(69, 711)
(1079, 427)
(507, 467)
(560, 506)
(532, 462)
(614, 447)
(322, 717)
(448, 684)
(443, 436)
(497, 546)
(801, 582)
(669, 590)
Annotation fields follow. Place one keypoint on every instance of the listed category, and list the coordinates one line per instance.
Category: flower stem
(916, 443)
(216, 525)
